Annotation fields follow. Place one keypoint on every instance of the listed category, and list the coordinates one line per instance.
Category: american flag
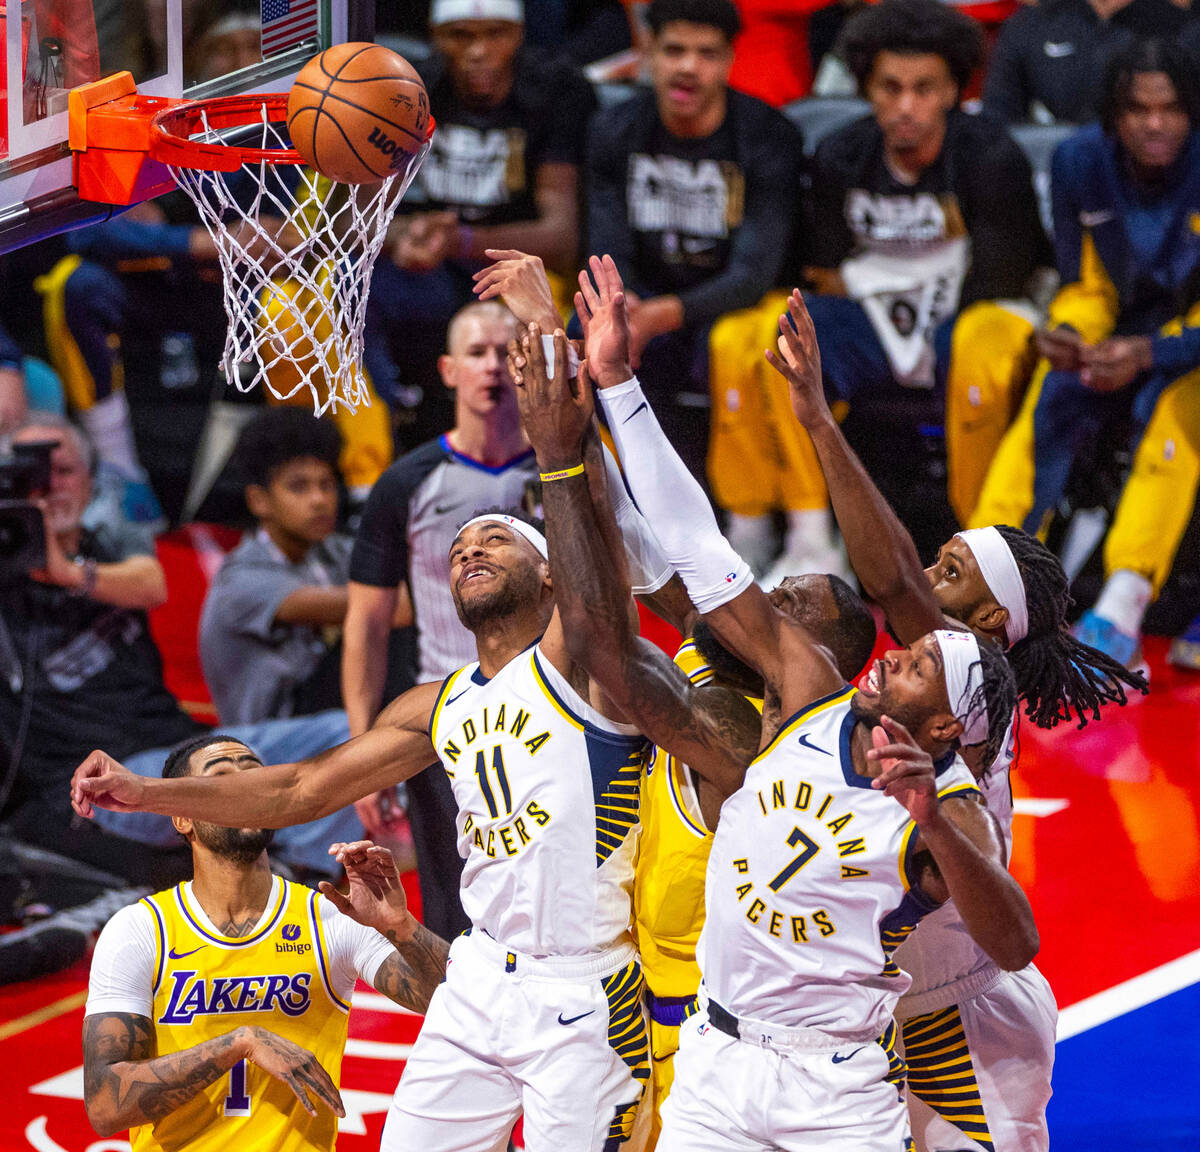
(286, 23)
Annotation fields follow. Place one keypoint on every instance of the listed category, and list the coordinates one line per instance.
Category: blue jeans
(276, 742)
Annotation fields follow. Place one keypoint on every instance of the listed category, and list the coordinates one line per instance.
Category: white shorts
(732, 1094)
(561, 1041)
(979, 1070)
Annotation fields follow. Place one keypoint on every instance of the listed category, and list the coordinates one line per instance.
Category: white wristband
(572, 357)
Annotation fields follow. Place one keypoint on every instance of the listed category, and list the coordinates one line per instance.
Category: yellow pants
(760, 458)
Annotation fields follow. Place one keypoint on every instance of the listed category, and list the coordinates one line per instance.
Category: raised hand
(102, 782)
(601, 306)
(799, 362)
(908, 773)
(521, 280)
(376, 897)
(556, 410)
(294, 1066)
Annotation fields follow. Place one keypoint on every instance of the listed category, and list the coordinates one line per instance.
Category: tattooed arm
(124, 1085)
(376, 899)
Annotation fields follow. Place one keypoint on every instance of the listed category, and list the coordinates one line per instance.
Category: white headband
(447, 11)
(1002, 576)
(527, 530)
(963, 670)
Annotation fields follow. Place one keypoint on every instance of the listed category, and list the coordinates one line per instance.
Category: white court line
(374, 1002)
(1130, 995)
(377, 1049)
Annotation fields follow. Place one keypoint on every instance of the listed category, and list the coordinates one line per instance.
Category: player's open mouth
(473, 572)
(872, 680)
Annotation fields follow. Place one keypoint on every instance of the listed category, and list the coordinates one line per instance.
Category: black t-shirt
(980, 184)
(484, 163)
(92, 679)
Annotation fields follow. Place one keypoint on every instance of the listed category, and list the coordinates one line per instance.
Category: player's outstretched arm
(376, 898)
(966, 847)
(881, 551)
(278, 795)
(123, 1086)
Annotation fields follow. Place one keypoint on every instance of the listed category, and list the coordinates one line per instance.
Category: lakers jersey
(941, 951)
(547, 794)
(808, 893)
(206, 985)
(668, 885)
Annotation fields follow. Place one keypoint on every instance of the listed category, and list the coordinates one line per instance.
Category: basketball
(357, 113)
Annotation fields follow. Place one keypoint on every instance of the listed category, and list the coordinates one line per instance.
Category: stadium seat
(818, 116)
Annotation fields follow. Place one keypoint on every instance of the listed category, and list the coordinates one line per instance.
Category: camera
(24, 475)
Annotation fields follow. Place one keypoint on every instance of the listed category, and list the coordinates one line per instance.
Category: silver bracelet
(90, 572)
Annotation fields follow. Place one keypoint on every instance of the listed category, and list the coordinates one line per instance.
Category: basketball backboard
(188, 48)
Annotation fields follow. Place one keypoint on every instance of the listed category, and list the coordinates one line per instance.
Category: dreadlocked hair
(1057, 676)
(997, 692)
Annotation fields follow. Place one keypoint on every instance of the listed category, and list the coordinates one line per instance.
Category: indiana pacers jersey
(668, 886)
(942, 951)
(547, 793)
(807, 890)
(206, 985)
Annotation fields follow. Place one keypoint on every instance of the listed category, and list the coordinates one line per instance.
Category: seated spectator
(1049, 57)
(692, 190)
(267, 618)
(1125, 194)
(925, 232)
(81, 672)
(502, 172)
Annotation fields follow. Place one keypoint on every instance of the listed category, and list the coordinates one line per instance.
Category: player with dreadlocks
(965, 1023)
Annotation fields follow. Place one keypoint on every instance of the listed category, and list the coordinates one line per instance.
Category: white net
(296, 253)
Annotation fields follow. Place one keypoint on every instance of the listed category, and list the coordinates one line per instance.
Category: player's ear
(258, 500)
(182, 825)
(993, 618)
(944, 728)
(446, 370)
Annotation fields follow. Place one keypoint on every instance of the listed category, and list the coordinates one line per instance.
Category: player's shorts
(799, 1092)
(980, 1053)
(562, 1041)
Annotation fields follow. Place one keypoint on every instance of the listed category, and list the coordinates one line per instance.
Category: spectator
(772, 58)
(692, 190)
(402, 550)
(1049, 56)
(82, 672)
(1125, 197)
(503, 172)
(265, 629)
(13, 403)
(925, 233)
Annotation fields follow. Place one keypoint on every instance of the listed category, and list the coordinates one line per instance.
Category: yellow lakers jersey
(206, 985)
(668, 887)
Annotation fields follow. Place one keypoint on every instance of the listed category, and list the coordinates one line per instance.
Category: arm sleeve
(122, 975)
(121, 239)
(608, 221)
(355, 951)
(673, 502)
(649, 569)
(773, 175)
(1005, 95)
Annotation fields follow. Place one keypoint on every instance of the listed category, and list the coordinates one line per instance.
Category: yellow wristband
(563, 474)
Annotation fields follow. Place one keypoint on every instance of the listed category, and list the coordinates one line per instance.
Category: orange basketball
(357, 112)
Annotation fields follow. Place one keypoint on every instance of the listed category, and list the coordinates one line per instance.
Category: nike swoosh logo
(843, 1059)
(453, 698)
(574, 1018)
(660, 1059)
(180, 955)
(634, 412)
(442, 509)
(1095, 219)
(1057, 51)
(807, 743)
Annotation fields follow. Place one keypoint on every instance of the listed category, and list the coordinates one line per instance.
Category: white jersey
(547, 793)
(807, 890)
(941, 950)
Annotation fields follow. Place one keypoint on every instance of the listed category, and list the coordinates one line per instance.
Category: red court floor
(1107, 844)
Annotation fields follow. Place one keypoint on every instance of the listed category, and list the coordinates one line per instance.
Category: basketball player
(541, 1009)
(843, 1001)
(979, 1042)
(217, 1010)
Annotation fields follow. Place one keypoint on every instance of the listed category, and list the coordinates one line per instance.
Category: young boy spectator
(502, 172)
(925, 218)
(692, 188)
(265, 631)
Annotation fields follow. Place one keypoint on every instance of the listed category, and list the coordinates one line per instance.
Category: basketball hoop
(296, 249)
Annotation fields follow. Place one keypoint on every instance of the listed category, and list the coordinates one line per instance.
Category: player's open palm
(908, 773)
(601, 306)
(296, 1067)
(376, 895)
(798, 361)
(102, 782)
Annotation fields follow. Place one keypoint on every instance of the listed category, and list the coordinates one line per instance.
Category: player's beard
(238, 845)
(868, 711)
(515, 589)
